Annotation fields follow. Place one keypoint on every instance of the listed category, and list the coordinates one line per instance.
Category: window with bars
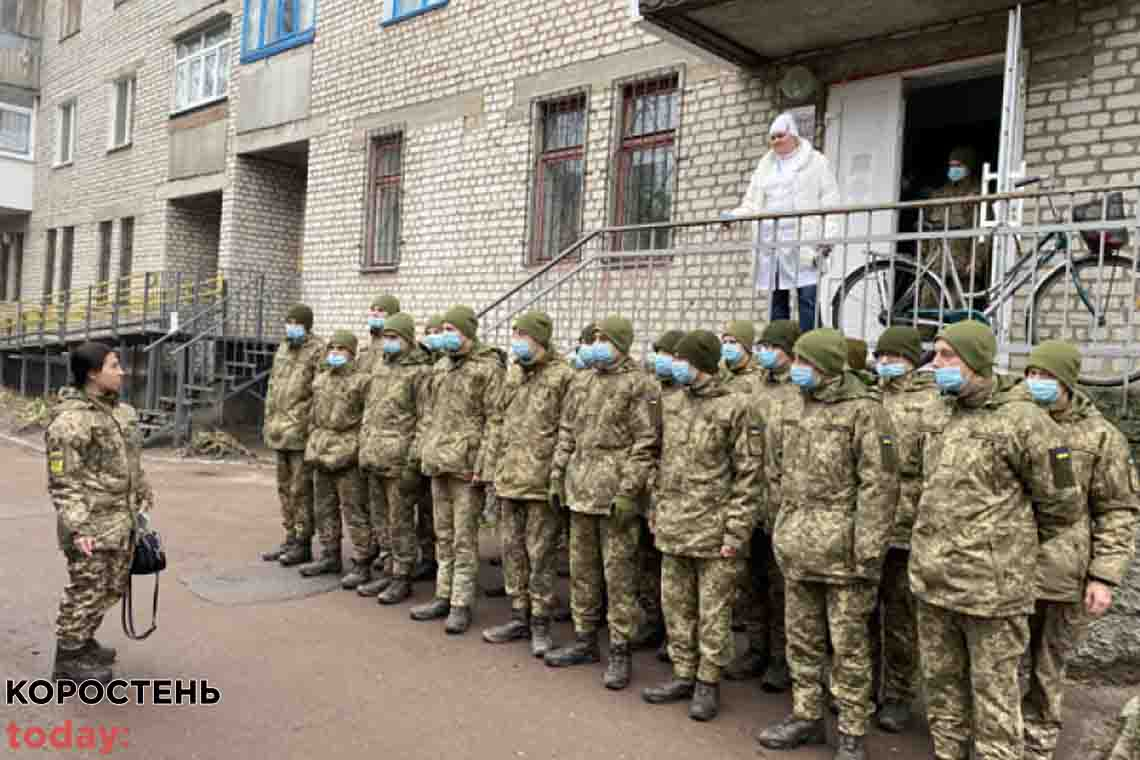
(66, 258)
(15, 131)
(126, 246)
(103, 271)
(71, 12)
(201, 67)
(49, 264)
(382, 249)
(559, 177)
(122, 113)
(646, 160)
(270, 26)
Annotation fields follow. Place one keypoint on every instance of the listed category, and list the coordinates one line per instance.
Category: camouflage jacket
(777, 399)
(709, 489)
(1100, 544)
(997, 482)
(463, 391)
(748, 379)
(338, 408)
(95, 475)
(525, 428)
(370, 356)
(396, 413)
(288, 406)
(913, 401)
(840, 486)
(608, 438)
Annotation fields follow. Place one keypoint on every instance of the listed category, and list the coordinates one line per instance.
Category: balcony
(16, 189)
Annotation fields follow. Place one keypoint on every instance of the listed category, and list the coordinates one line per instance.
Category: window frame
(31, 114)
(282, 43)
(58, 160)
(126, 253)
(103, 263)
(393, 15)
(131, 81)
(65, 30)
(187, 61)
(543, 159)
(66, 259)
(379, 144)
(49, 264)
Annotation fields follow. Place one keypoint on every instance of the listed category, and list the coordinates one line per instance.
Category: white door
(864, 147)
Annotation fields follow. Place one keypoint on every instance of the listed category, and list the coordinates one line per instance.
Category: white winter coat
(801, 182)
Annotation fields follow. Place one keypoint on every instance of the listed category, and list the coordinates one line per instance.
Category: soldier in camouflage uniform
(370, 517)
(524, 433)
(912, 400)
(97, 486)
(839, 489)
(425, 514)
(465, 385)
(708, 493)
(395, 417)
(967, 257)
(288, 408)
(332, 451)
(1078, 570)
(767, 639)
(997, 481)
(607, 448)
(857, 362)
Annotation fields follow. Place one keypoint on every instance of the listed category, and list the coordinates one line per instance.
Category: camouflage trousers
(396, 498)
(94, 585)
(894, 631)
(425, 520)
(648, 574)
(295, 490)
(368, 522)
(969, 666)
(529, 532)
(336, 492)
(697, 593)
(763, 585)
(458, 507)
(813, 610)
(603, 561)
(1056, 630)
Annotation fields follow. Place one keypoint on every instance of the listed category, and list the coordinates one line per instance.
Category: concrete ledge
(184, 188)
(195, 14)
(286, 134)
(466, 105)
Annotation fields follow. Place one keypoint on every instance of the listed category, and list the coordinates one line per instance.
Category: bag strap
(128, 613)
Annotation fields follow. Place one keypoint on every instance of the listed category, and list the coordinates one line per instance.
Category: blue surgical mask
(683, 373)
(450, 341)
(1044, 391)
(890, 370)
(337, 360)
(663, 366)
(732, 353)
(957, 173)
(295, 332)
(376, 323)
(521, 349)
(585, 357)
(768, 358)
(392, 346)
(949, 379)
(603, 353)
(803, 376)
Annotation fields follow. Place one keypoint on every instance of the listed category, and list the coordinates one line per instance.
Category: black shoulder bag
(148, 558)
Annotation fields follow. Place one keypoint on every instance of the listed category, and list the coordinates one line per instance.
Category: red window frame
(379, 186)
(548, 158)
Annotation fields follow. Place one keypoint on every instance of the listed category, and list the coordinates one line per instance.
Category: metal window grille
(384, 180)
(646, 161)
(559, 177)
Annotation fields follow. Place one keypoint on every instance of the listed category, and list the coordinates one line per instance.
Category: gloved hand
(623, 511)
(556, 495)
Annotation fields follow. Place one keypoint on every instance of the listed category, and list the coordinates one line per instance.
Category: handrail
(575, 246)
(208, 312)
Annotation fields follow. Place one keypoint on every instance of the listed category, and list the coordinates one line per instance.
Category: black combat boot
(360, 574)
(380, 582)
(101, 654)
(458, 620)
(398, 590)
(706, 701)
(850, 748)
(777, 677)
(618, 667)
(425, 570)
(750, 664)
(274, 555)
(673, 690)
(894, 716)
(791, 732)
(78, 664)
(328, 564)
(540, 641)
(434, 610)
(298, 553)
(649, 634)
(518, 627)
(583, 651)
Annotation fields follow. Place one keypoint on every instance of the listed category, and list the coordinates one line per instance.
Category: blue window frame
(398, 10)
(270, 26)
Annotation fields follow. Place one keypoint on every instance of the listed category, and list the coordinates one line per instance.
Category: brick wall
(193, 233)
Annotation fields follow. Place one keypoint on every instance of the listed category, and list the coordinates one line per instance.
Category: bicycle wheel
(1096, 309)
(878, 295)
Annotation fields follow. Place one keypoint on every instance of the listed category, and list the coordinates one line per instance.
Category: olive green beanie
(435, 322)
(856, 354)
(463, 317)
(744, 332)
(618, 330)
(387, 303)
(901, 340)
(302, 315)
(403, 325)
(588, 333)
(974, 342)
(344, 338)
(1060, 359)
(538, 325)
(668, 342)
(782, 333)
(701, 349)
(825, 348)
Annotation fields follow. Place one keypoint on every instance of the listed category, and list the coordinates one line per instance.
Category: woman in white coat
(792, 176)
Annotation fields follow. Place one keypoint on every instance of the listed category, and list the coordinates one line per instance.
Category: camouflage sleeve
(644, 421)
(421, 388)
(877, 472)
(68, 478)
(567, 429)
(491, 388)
(1115, 501)
(1045, 466)
(493, 438)
(749, 496)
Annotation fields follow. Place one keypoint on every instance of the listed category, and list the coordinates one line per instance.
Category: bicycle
(1089, 299)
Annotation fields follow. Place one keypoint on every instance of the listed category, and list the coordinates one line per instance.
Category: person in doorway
(968, 257)
(1078, 570)
(791, 177)
(97, 486)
